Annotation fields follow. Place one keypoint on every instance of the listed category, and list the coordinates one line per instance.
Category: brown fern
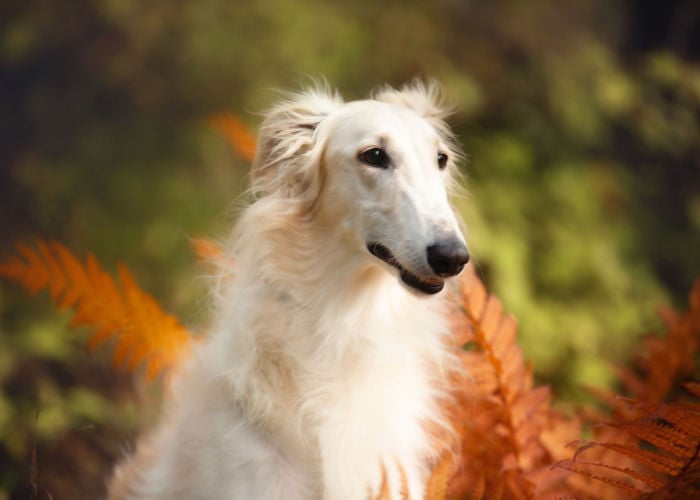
(653, 455)
(670, 358)
(384, 492)
(650, 449)
(404, 490)
(509, 433)
(143, 332)
(213, 254)
(438, 481)
(242, 140)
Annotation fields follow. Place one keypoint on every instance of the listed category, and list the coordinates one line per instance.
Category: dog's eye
(442, 160)
(375, 157)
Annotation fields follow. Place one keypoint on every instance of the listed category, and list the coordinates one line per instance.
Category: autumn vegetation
(513, 443)
(580, 121)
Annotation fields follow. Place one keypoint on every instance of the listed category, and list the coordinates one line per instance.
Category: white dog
(326, 367)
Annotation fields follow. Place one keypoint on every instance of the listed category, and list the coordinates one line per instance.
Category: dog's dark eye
(442, 160)
(375, 157)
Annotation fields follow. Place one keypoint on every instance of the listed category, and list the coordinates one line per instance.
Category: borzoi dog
(325, 370)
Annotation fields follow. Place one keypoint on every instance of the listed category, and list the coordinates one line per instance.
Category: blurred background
(581, 121)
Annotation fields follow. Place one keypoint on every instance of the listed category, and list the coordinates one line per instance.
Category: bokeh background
(581, 121)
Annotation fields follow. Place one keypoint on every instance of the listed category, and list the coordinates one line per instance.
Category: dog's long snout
(447, 257)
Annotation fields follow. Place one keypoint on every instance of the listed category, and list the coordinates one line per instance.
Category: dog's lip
(427, 284)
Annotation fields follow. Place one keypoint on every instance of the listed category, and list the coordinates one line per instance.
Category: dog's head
(377, 169)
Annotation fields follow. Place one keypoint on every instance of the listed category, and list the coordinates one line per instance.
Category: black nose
(448, 257)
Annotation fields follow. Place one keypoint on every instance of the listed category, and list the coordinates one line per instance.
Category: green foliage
(568, 228)
(584, 206)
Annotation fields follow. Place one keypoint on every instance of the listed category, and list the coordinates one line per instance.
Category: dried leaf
(142, 330)
(505, 416)
(576, 467)
(242, 140)
(436, 488)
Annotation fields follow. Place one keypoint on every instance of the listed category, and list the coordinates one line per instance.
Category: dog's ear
(429, 101)
(288, 154)
(426, 99)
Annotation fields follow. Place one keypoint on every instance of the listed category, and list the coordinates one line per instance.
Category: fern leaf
(144, 333)
(622, 485)
(490, 319)
(210, 252)
(206, 249)
(667, 464)
(384, 490)
(693, 388)
(684, 416)
(32, 273)
(663, 437)
(404, 489)
(661, 440)
(685, 485)
(672, 430)
(670, 358)
(625, 471)
(479, 488)
(242, 140)
(58, 281)
(506, 417)
(436, 489)
(79, 285)
(474, 293)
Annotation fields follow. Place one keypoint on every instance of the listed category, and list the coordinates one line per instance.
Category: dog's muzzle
(446, 259)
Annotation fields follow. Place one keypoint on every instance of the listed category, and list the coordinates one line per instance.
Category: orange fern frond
(670, 464)
(384, 490)
(693, 388)
(206, 249)
(212, 253)
(649, 447)
(437, 486)
(660, 454)
(620, 484)
(668, 359)
(242, 140)
(404, 490)
(509, 433)
(144, 333)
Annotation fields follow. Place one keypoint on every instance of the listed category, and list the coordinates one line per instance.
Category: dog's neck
(306, 301)
(315, 270)
(300, 258)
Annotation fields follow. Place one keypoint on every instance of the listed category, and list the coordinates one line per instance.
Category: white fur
(322, 367)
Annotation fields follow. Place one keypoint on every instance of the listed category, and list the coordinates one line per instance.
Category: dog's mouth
(426, 284)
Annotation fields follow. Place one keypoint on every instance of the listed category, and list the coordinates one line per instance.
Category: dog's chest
(378, 398)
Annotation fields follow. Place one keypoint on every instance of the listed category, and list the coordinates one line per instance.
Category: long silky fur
(321, 368)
